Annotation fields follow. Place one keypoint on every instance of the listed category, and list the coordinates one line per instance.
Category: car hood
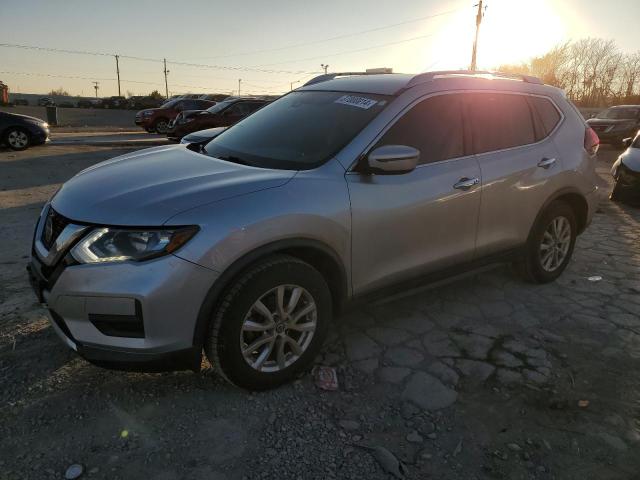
(148, 187)
(26, 117)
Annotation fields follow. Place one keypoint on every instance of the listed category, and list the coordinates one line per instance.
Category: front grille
(53, 227)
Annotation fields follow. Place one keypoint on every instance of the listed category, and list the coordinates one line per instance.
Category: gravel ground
(484, 377)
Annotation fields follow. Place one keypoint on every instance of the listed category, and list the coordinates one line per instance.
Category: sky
(276, 44)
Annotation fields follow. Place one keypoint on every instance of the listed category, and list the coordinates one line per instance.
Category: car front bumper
(129, 316)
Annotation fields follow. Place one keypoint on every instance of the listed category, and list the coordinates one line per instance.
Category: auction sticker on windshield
(360, 102)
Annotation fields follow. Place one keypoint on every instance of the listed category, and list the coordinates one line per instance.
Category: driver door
(422, 221)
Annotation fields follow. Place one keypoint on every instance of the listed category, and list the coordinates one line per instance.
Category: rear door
(518, 161)
(409, 224)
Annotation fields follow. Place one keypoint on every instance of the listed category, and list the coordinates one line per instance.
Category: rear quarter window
(499, 121)
(546, 115)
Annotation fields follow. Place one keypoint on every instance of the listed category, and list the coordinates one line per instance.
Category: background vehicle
(46, 102)
(21, 101)
(616, 123)
(114, 102)
(66, 104)
(140, 102)
(247, 247)
(19, 132)
(215, 97)
(626, 171)
(223, 114)
(157, 119)
(202, 137)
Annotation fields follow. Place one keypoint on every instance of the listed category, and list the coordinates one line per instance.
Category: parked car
(157, 119)
(202, 137)
(114, 102)
(626, 171)
(247, 248)
(19, 132)
(616, 123)
(20, 102)
(223, 114)
(216, 97)
(46, 102)
(140, 102)
(66, 104)
(86, 103)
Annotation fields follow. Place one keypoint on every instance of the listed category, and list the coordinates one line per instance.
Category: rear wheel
(550, 244)
(270, 323)
(17, 139)
(161, 125)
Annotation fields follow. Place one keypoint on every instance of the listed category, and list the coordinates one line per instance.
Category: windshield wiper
(234, 159)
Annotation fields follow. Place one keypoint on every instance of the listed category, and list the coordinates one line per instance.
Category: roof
(394, 83)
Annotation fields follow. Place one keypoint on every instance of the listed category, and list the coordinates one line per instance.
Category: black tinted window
(499, 121)
(434, 127)
(299, 130)
(547, 116)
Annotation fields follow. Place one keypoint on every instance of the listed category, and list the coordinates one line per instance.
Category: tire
(532, 265)
(227, 335)
(161, 125)
(17, 138)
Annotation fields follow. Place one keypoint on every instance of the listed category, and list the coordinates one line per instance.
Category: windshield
(220, 106)
(170, 103)
(299, 131)
(620, 114)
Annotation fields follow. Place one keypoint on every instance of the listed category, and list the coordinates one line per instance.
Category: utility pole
(166, 85)
(118, 73)
(239, 82)
(324, 67)
(295, 81)
(479, 15)
(96, 86)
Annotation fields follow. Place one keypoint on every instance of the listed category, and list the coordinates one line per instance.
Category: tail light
(591, 141)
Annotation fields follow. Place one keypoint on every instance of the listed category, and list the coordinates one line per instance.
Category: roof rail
(331, 76)
(429, 76)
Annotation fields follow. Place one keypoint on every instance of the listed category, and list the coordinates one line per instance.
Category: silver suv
(346, 186)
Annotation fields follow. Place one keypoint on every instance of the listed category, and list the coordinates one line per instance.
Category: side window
(547, 116)
(499, 121)
(433, 126)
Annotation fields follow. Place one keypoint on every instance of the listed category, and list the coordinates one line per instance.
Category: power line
(351, 51)
(157, 60)
(337, 37)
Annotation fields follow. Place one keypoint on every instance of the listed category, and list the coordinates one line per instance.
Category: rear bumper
(127, 316)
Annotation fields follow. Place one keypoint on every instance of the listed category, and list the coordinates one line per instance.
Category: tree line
(592, 71)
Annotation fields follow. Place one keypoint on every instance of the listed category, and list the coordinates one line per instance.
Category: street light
(295, 81)
(325, 67)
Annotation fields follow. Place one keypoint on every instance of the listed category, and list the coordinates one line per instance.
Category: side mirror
(393, 159)
(627, 142)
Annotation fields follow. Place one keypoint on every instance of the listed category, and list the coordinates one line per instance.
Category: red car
(157, 119)
(223, 114)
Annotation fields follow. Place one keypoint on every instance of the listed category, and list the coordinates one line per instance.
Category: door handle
(466, 183)
(546, 162)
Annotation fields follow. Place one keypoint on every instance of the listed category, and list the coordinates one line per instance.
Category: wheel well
(322, 258)
(328, 268)
(580, 207)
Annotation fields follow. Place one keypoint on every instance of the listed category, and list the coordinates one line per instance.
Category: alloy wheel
(17, 139)
(278, 328)
(162, 126)
(555, 244)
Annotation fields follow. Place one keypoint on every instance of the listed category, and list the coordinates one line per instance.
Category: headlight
(118, 245)
(147, 113)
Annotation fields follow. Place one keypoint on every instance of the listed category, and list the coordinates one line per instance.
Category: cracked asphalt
(480, 377)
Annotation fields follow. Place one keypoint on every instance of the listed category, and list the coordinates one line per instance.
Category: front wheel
(17, 139)
(550, 244)
(270, 323)
(161, 125)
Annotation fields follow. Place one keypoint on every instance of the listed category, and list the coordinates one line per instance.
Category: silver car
(352, 184)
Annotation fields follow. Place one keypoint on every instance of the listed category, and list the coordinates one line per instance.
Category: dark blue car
(19, 132)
